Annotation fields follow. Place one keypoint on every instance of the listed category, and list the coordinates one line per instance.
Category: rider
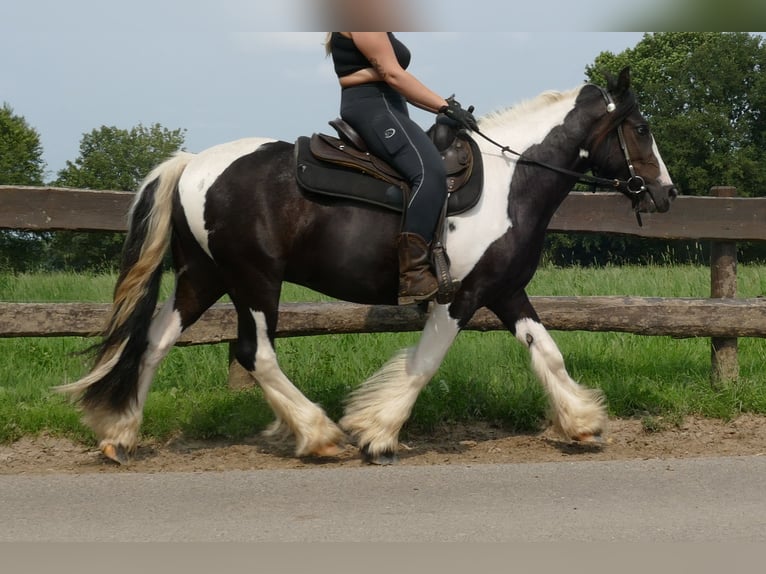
(376, 87)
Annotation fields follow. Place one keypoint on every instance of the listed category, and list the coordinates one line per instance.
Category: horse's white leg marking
(377, 409)
(163, 334)
(121, 429)
(201, 173)
(314, 432)
(577, 412)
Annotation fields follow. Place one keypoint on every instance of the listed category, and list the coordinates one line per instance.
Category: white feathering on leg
(376, 411)
(576, 411)
(312, 428)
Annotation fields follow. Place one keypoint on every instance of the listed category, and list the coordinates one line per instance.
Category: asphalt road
(722, 499)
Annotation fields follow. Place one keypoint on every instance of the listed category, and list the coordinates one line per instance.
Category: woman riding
(376, 87)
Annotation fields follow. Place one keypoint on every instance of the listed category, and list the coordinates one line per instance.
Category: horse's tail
(112, 383)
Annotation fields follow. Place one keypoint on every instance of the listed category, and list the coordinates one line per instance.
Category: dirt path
(454, 444)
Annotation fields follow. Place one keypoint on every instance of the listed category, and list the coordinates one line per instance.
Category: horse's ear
(619, 87)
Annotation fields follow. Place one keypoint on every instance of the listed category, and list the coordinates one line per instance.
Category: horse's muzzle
(657, 198)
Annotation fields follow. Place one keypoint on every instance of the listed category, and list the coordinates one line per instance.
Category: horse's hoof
(592, 439)
(328, 450)
(118, 454)
(385, 458)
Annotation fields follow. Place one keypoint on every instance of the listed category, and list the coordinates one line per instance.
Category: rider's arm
(377, 48)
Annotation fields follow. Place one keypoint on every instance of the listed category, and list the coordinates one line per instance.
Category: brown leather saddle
(342, 167)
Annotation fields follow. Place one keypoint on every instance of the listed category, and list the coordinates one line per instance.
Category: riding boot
(416, 279)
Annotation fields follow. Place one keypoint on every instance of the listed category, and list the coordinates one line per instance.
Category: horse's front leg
(577, 413)
(377, 410)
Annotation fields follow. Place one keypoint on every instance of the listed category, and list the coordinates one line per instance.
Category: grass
(484, 377)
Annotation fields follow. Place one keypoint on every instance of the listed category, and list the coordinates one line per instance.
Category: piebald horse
(238, 224)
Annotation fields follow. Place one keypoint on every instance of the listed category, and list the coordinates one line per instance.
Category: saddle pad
(333, 180)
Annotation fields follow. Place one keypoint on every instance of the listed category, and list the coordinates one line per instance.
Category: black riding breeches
(379, 114)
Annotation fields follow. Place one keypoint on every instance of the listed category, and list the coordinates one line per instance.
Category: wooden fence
(722, 219)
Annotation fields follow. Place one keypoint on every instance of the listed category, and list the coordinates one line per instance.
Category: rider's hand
(455, 111)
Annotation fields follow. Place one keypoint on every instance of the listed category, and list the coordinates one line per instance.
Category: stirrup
(407, 300)
(448, 286)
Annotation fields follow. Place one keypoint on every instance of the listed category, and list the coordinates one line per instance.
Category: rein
(617, 184)
(632, 187)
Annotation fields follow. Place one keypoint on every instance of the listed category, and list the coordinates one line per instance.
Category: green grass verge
(484, 377)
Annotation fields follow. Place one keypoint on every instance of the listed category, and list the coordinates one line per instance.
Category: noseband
(635, 184)
(634, 187)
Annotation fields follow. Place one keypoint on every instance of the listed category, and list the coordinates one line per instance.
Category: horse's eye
(642, 130)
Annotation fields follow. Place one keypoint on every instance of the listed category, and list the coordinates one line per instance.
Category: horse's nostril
(673, 192)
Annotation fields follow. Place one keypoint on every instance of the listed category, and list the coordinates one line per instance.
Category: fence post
(723, 284)
(239, 378)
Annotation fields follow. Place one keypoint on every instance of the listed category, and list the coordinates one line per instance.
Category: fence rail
(676, 317)
(704, 218)
(723, 220)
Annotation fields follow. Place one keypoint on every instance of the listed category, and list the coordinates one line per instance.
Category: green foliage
(115, 159)
(21, 153)
(22, 250)
(21, 163)
(119, 159)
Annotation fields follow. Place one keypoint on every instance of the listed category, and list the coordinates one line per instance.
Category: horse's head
(622, 146)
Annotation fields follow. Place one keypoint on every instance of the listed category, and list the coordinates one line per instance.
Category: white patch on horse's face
(201, 173)
(664, 178)
(475, 230)
(584, 153)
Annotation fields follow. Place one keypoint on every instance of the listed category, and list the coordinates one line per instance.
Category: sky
(71, 67)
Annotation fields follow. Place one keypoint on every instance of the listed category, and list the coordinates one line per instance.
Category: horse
(237, 223)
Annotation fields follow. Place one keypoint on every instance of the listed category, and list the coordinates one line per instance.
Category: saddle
(343, 167)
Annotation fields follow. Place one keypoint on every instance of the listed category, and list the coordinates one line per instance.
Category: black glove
(455, 111)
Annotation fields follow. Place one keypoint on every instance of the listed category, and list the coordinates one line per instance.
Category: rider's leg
(380, 116)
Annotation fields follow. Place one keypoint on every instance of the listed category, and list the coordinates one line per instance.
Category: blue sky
(70, 67)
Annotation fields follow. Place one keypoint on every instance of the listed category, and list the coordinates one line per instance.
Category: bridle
(634, 187)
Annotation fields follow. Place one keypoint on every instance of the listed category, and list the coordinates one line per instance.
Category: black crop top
(348, 59)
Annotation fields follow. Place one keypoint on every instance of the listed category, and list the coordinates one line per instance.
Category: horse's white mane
(510, 114)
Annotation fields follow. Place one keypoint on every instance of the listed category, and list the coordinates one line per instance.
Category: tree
(115, 159)
(118, 159)
(21, 163)
(21, 153)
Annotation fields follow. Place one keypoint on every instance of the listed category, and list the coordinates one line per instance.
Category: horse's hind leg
(315, 434)
(197, 287)
(577, 412)
(120, 435)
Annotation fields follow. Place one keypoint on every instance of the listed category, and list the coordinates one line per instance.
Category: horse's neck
(550, 130)
(529, 123)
